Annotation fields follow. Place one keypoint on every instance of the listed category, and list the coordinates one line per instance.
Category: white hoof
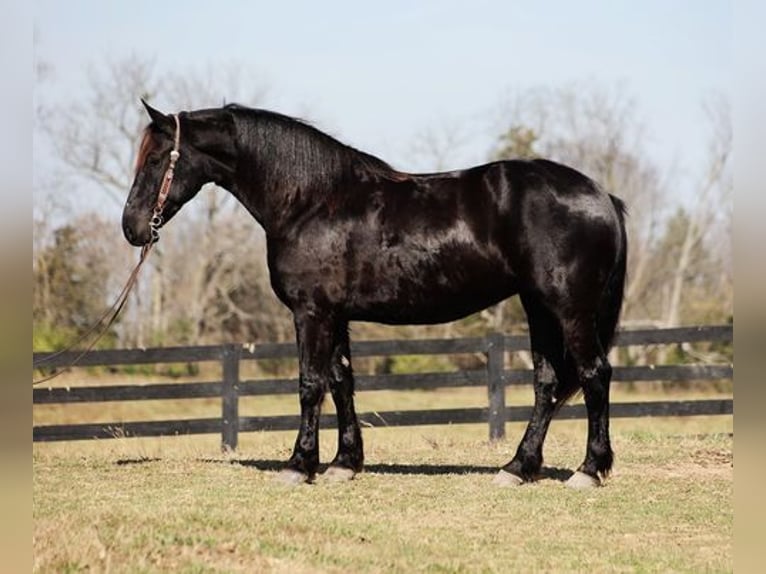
(504, 478)
(338, 474)
(291, 477)
(580, 480)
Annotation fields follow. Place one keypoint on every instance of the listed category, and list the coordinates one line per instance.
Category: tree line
(207, 280)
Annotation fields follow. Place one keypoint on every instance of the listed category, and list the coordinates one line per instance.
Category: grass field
(425, 502)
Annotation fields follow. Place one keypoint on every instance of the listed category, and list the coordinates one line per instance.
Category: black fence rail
(494, 377)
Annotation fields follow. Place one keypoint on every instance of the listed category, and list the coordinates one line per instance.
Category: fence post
(496, 385)
(230, 397)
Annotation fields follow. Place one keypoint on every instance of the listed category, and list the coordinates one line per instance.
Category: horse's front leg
(314, 332)
(350, 456)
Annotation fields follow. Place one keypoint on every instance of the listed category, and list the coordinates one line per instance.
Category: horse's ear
(160, 119)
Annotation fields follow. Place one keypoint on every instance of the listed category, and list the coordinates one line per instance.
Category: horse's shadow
(272, 465)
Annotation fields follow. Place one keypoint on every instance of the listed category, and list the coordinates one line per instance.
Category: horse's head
(178, 155)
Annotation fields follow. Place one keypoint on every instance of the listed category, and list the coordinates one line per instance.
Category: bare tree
(436, 148)
(712, 206)
(96, 138)
(598, 132)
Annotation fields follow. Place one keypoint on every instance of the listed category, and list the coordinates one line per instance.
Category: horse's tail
(611, 302)
(608, 313)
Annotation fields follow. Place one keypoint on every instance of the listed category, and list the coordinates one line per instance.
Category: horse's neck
(278, 188)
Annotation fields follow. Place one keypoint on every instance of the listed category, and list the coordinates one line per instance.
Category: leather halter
(156, 221)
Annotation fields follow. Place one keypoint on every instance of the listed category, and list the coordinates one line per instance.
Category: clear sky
(376, 75)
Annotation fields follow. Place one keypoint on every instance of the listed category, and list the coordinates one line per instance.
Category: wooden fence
(495, 377)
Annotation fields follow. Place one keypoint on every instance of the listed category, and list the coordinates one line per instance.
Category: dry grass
(426, 503)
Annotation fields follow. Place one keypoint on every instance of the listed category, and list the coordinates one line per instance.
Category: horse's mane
(312, 152)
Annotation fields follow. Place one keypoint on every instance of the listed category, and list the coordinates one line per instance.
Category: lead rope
(100, 327)
(110, 315)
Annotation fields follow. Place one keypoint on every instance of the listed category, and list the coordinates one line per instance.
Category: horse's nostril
(129, 235)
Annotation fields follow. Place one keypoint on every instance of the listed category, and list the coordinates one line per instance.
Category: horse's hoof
(581, 481)
(504, 478)
(291, 477)
(339, 474)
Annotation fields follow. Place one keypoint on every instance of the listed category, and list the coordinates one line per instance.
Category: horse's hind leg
(554, 382)
(350, 456)
(594, 373)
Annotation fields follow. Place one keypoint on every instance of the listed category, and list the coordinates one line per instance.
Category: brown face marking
(147, 145)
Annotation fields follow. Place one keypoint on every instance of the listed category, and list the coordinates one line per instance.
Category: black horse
(351, 239)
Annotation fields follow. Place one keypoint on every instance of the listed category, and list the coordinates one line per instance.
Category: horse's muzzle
(136, 234)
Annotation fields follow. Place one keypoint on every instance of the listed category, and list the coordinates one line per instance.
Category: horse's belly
(427, 312)
(424, 289)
